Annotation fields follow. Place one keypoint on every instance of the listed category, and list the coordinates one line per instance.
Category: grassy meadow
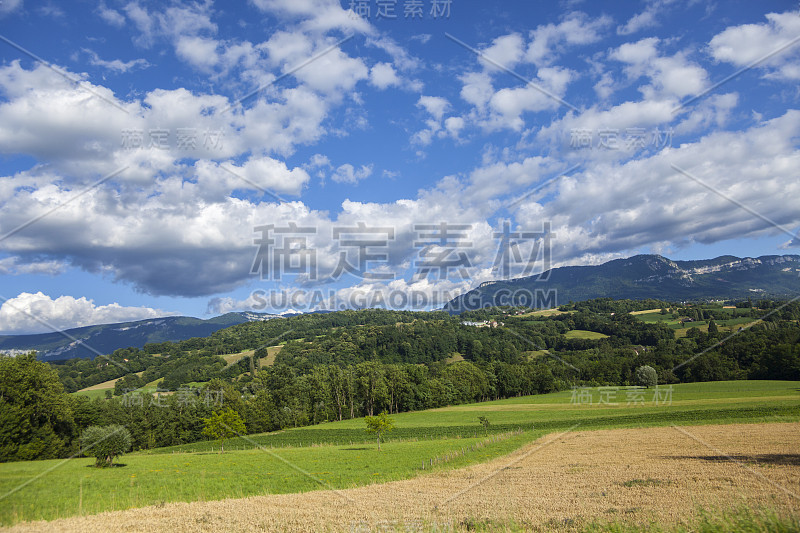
(342, 455)
(730, 325)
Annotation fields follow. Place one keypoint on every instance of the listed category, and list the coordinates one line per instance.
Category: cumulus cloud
(548, 40)
(81, 134)
(645, 201)
(745, 44)
(640, 21)
(173, 244)
(508, 105)
(506, 50)
(436, 107)
(670, 76)
(181, 219)
(39, 313)
(383, 75)
(347, 173)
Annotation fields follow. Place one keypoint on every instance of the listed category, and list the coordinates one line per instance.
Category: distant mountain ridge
(643, 276)
(638, 277)
(87, 341)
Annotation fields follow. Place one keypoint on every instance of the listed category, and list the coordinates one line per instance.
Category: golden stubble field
(557, 482)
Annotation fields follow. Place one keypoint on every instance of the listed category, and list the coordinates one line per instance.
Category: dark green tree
(36, 420)
(105, 443)
(223, 425)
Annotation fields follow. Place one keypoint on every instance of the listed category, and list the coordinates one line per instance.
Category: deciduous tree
(379, 425)
(105, 443)
(223, 425)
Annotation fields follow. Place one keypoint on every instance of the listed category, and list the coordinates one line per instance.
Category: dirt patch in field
(558, 482)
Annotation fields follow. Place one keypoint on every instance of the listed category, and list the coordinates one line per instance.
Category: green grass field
(341, 454)
(727, 324)
(583, 334)
(151, 387)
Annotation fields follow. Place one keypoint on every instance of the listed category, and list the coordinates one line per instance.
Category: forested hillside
(354, 363)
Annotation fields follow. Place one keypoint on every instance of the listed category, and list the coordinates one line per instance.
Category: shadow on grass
(115, 465)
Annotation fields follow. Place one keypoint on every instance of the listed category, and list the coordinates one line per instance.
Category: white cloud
(382, 76)
(82, 135)
(504, 108)
(9, 6)
(172, 23)
(742, 45)
(116, 65)
(334, 72)
(400, 57)
(638, 53)
(316, 15)
(435, 105)
(111, 16)
(19, 315)
(320, 163)
(506, 50)
(476, 88)
(548, 40)
(510, 104)
(170, 240)
(198, 51)
(10, 266)
(670, 75)
(226, 304)
(640, 21)
(261, 173)
(347, 173)
(645, 201)
(454, 125)
(712, 112)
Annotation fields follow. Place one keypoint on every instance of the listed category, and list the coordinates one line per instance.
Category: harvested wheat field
(560, 481)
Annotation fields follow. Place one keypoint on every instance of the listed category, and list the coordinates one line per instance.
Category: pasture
(583, 334)
(340, 455)
(692, 478)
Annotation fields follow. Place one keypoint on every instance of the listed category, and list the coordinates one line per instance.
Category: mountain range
(640, 277)
(89, 341)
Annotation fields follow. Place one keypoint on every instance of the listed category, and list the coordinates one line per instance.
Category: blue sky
(143, 143)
